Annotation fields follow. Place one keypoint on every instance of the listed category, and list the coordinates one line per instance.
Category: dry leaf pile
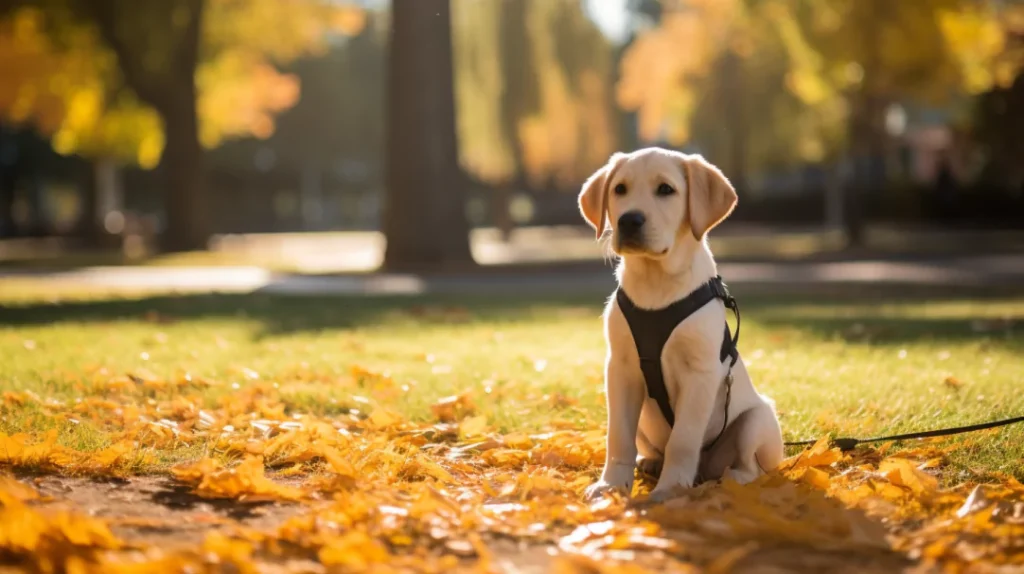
(373, 492)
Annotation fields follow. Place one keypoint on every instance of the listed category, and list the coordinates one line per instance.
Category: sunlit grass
(859, 367)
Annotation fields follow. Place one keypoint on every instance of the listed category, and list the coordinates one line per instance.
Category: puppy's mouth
(630, 246)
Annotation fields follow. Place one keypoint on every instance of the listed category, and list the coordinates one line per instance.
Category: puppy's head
(653, 198)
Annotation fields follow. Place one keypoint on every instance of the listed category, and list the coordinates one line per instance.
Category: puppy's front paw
(602, 488)
(615, 478)
(653, 498)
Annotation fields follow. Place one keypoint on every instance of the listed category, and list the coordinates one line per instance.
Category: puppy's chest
(687, 348)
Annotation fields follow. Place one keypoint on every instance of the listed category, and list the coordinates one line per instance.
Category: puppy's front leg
(682, 453)
(625, 394)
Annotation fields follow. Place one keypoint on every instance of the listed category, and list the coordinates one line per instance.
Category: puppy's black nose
(631, 222)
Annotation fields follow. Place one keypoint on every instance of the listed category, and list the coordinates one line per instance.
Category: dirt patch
(157, 511)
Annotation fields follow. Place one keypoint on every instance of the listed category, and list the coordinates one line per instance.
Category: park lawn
(81, 371)
(834, 365)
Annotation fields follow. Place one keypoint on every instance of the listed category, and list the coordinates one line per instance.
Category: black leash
(849, 443)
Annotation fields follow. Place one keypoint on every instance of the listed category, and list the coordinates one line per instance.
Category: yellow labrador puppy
(660, 204)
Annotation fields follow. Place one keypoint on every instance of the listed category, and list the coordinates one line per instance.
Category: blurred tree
(665, 67)
(710, 74)
(532, 80)
(572, 130)
(871, 54)
(63, 86)
(780, 81)
(425, 210)
(336, 130)
(494, 89)
(999, 114)
(197, 71)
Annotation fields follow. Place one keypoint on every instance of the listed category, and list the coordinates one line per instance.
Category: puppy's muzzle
(631, 230)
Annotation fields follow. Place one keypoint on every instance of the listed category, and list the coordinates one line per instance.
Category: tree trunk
(868, 139)
(501, 210)
(172, 92)
(88, 229)
(188, 222)
(853, 223)
(8, 183)
(425, 217)
(311, 196)
(100, 194)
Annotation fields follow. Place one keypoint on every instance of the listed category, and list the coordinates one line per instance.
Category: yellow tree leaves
(60, 76)
(486, 149)
(64, 89)
(22, 451)
(572, 130)
(26, 54)
(240, 90)
(245, 482)
(239, 95)
(532, 92)
(663, 68)
(793, 71)
(51, 543)
(923, 50)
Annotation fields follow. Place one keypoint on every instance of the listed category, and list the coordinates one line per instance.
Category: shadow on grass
(289, 314)
(849, 313)
(1007, 332)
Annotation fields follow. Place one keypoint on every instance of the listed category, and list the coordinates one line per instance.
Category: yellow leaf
(902, 472)
(455, 407)
(14, 490)
(473, 427)
(817, 478)
(384, 418)
(354, 550)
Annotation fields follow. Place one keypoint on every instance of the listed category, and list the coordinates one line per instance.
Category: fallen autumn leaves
(373, 492)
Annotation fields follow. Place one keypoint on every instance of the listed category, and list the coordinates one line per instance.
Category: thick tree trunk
(8, 181)
(501, 210)
(425, 217)
(89, 230)
(171, 90)
(867, 138)
(188, 222)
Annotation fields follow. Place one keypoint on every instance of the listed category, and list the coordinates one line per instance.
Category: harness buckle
(721, 291)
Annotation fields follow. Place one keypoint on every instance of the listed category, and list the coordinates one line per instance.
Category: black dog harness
(651, 329)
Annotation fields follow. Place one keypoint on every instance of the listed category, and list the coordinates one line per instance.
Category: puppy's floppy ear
(711, 196)
(593, 197)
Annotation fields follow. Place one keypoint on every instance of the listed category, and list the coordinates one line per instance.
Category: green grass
(846, 364)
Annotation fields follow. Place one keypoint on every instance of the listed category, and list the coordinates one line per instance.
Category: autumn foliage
(370, 491)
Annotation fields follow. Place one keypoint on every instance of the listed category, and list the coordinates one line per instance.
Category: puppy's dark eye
(620, 189)
(665, 189)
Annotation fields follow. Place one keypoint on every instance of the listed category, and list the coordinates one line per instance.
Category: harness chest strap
(651, 329)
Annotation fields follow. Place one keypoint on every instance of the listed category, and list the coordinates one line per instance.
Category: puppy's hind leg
(649, 460)
(758, 445)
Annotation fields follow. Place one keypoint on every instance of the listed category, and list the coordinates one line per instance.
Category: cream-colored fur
(663, 263)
